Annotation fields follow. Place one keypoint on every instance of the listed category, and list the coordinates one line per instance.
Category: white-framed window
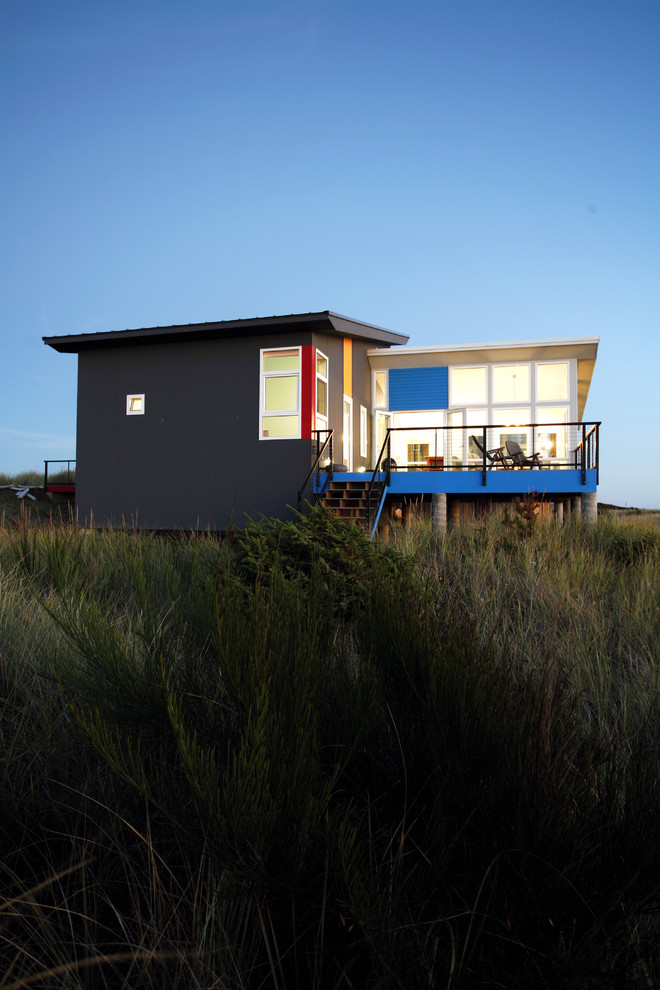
(552, 438)
(511, 383)
(380, 390)
(321, 391)
(512, 424)
(468, 386)
(135, 404)
(279, 393)
(364, 431)
(552, 381)
(381, 423)
(347, 433)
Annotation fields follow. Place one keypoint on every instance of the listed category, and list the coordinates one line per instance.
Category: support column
(559, 513)
(589, 508)
(439, 511)
(575, 504)
(455, 512)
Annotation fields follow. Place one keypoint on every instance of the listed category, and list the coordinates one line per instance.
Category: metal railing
(66, 477)
(321, 465)
(378, 486)
(483, 447)
(586, 451)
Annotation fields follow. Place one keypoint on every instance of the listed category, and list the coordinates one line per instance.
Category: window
(511, 383)
(515, 426)
(383, 422)
(321, 391)
(467, 386)
(552, 436)
(380, 390)
(551, 382)
(135, 404)
(280, 394)
(418, 454)
(347, 433)
(475, 419)
(364, 427)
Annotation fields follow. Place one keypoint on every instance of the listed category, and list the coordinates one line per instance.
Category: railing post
(483, 456)
(584, 454)
(316, 455)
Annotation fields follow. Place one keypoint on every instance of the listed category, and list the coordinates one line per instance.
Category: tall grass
(296, 759)
(22, 478)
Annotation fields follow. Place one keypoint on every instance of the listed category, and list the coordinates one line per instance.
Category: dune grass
(34, 479)
(292, 758)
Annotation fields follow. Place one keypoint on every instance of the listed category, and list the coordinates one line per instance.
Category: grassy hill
(292, 758)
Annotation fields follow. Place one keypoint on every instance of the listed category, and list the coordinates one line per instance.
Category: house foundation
(589, 508)
(439, 511)
(455, 512)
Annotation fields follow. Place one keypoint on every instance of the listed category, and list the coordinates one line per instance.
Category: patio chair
(519, 458)
(494, 457)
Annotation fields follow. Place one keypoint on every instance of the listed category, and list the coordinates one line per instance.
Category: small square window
(135, 404)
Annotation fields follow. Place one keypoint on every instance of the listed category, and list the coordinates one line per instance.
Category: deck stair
(347, 499)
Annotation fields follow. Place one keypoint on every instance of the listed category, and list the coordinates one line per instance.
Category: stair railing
(378, 486)
(310, 492)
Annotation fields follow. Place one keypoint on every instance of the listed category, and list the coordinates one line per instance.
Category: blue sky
(463, 171)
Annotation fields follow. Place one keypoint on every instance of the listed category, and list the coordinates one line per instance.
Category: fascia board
(539, 350)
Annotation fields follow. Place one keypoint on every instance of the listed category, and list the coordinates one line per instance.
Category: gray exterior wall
(333, 348)
(194, 459)
(361, 397)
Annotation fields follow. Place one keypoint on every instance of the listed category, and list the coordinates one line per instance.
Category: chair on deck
(494, 457)
(519, 458)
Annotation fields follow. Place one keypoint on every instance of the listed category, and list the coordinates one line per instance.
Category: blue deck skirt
(522, 482)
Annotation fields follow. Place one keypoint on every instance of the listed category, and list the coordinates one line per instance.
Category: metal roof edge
(71, 343)
(489, 345)
(393, 335)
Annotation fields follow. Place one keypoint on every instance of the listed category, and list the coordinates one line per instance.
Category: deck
(60, 480)
(470, 482)
(555, 462)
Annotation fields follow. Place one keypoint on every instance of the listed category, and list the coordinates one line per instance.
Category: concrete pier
(589, 508)
(439, 511)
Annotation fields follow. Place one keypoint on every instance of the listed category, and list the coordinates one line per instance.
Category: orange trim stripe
(348, 367)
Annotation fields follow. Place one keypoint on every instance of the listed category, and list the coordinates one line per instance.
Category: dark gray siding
(194, 459)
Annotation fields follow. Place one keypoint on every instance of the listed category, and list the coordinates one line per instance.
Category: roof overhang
(323, 322)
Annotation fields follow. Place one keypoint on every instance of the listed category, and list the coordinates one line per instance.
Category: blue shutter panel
(418, 388)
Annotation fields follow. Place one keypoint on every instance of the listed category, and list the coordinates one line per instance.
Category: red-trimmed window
(293, 394)
(321, 391)
(280, 393)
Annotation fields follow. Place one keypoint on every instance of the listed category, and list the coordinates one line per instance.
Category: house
(198, 426)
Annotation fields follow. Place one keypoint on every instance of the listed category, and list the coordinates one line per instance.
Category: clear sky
(456, 170)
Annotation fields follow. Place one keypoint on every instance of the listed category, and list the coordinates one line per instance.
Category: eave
(322, 322)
